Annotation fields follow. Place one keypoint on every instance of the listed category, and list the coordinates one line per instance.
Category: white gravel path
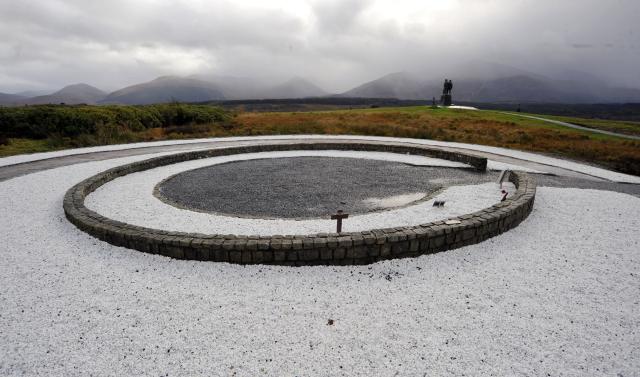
(130, 199)
(527, 156)
(558, 295)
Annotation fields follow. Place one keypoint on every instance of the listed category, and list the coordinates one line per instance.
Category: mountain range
(511, 89)
(495, 85)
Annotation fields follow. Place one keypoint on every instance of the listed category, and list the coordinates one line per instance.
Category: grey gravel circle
(307, 187)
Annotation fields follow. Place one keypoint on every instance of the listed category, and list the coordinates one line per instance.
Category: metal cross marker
(339, 216)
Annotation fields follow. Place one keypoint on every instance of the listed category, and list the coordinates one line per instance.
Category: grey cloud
(337, 44)
(336, 16)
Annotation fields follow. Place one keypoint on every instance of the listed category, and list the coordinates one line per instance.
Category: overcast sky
(335, 44)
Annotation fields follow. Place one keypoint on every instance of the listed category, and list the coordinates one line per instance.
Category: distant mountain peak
(166, 89)
(71, 94)
(171, 78)
(295, 87)
(10, 99)
(519, 87)
(80, 88)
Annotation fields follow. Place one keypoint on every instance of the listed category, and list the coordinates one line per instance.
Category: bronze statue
(448, 86)
(446, 92)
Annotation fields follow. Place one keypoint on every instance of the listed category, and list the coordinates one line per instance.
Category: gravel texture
(558, 295)
(129, 199)
(307, 187)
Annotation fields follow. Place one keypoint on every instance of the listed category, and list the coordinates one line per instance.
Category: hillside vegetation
(476, 127)
(59, 126)
(41, 128)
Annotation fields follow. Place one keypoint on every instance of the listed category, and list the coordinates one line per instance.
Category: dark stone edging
(319, 249)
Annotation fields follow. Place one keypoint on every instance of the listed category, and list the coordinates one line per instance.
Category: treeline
(105, 124)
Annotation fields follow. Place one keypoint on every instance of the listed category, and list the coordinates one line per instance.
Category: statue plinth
(446, 100)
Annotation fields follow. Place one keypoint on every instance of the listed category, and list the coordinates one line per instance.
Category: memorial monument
(446, 92)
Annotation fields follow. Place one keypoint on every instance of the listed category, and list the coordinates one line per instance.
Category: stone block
(468, 234)
(357, 252)
(369, 239)
(345, 241)
(279, 256)
(307, 243)
(385, 250)
(320, 243)
(292, 255)
(258, 256)
(357, 239)
(326, 254)
(296, 244)
(399, 248)
(372, 251)
(437, 242)
(221, 255)
(309, 255)
(252, 244)
(235, 256)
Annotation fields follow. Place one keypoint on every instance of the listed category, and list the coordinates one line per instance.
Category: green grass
(514, 119)
(22, 146)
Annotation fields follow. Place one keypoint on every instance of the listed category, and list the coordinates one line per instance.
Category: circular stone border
(317, 249)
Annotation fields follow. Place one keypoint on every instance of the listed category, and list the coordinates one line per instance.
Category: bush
(104, 124)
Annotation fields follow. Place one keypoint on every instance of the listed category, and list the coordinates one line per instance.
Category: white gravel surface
(558, 295)
(130, 199)
(527, 156)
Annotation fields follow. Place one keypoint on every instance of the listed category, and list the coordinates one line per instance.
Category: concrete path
(575, 126)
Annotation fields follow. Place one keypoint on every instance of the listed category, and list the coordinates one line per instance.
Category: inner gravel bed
(308, 187)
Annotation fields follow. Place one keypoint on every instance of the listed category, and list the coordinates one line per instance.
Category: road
(575, 126)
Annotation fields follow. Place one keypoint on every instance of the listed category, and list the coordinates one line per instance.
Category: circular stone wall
(308, 187)
(343, 248)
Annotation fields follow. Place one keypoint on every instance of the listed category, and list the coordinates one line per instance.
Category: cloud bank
(336, 44)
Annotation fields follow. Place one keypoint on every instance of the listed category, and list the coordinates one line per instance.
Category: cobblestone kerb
(317, 249)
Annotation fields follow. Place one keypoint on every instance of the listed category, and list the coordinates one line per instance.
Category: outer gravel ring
(318, 249)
